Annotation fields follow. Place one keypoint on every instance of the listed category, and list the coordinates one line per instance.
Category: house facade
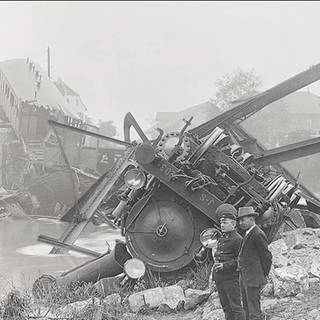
(72, 99)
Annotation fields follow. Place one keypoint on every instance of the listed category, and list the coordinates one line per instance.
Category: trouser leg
(231, 299)
(223, 296)
(244, 297)
(254, 298)
(234, 296)
(251, 297)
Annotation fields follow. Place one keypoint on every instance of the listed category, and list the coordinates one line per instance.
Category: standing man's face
(227, 225)
(246, 222)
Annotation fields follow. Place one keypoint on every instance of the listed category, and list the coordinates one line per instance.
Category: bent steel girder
(289, 152)
(89, 133)
(251, 145)
(244, 110)
(130, 121)
(90, 201)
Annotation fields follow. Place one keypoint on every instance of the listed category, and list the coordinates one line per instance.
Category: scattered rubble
(295, 262)
(294, 276)
(292, 291)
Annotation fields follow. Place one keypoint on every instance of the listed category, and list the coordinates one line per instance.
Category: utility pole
(49, 67)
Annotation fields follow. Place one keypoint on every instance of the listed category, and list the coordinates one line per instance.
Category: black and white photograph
(159, 160)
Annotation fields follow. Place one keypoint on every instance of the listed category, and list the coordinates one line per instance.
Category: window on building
(67, 100)
(77, 102)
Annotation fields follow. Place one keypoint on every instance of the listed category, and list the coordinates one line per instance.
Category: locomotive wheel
(165, 233)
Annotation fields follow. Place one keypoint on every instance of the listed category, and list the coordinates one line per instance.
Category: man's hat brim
(246, 212)
(227, 215)
(248, 215)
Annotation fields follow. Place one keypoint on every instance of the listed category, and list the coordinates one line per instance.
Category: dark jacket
(227, 252)
(255, 259)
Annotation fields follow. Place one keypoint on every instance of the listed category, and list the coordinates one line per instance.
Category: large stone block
(171, 296)
(290, 280)
(194, 297)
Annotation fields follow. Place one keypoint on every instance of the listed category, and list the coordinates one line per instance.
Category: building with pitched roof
(29, 98)
(173, 121)
(71, 98)
(297, 114)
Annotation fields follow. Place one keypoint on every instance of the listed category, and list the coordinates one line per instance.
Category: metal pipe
(105, 266)
(89, 133)
(71, 247)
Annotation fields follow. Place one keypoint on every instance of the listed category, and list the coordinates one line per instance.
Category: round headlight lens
(134, 268)
(134, 179)
(209, 237)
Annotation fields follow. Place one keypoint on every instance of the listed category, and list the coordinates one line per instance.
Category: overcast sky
(160, 56)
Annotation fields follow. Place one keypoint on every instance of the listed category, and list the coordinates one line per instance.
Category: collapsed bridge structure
(32, 170)
(164, 193)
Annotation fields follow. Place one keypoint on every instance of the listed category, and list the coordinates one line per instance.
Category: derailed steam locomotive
(167, 190)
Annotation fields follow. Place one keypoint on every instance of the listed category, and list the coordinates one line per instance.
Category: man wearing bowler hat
(254, 263)
(224, 271)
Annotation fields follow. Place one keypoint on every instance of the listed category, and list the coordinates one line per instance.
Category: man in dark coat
(254, 263)
(224, 271)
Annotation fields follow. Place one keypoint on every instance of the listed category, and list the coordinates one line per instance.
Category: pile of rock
(296, 267)
(296, 263)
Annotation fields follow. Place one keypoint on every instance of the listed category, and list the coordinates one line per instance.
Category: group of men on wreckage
(241, 264)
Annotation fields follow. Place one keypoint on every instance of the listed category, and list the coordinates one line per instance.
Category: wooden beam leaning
(89, 133)
(289, 152)
(87, 208)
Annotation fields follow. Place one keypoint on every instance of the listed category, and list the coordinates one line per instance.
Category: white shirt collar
(248, 231)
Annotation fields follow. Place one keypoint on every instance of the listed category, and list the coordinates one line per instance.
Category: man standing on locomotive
(224, 270)
(254, 263)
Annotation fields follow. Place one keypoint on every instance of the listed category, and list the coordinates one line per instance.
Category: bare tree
(233, 86)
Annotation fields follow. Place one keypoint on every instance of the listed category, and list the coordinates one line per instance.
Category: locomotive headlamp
(134, 268)
(209, 237)
(134, 179)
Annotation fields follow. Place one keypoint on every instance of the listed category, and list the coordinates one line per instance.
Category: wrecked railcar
(169, 188)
